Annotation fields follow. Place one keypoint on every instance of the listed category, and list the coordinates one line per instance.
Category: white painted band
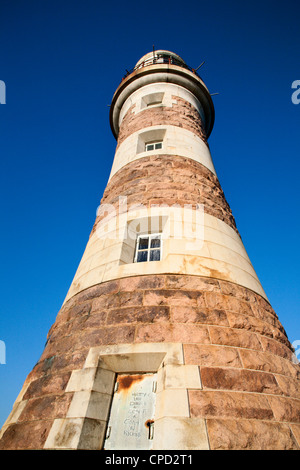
(220, 254)
(176, 141)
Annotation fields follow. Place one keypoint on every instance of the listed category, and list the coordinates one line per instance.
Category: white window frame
(150, 137)
(149, 236)
(158, 143)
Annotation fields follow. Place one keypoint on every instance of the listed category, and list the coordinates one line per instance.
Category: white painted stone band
(221, 254)
(176, 141)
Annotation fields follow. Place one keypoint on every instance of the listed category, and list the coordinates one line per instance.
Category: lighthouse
(166, 338)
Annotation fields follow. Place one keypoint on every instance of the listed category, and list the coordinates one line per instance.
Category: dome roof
(157, 55)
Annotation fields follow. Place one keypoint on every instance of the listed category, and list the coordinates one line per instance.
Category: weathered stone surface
(212, 404)
(173, 298)
(230, 303)
(200, 284)
(187, 434)
(181, 114)
(266, 315)
(58, 363)
(139, 181)
(108, 335)
(207, 355)
(268, 362)
(138, 315)
(199, 315)
(276, 347)
(296, 432)
(119, 299)
(237, 291)
(238, 379)
(131, 284)
(227, 434)
(285, 409)
(289, 386)
(228, 332)
(173, 333)
(247, 322)
(28, 436)
(47, 407)
(49, 384)
(233, 337)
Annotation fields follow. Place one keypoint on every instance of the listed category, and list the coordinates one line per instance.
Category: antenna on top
(199, 66)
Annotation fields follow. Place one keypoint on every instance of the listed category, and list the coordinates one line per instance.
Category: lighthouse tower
(166, 338)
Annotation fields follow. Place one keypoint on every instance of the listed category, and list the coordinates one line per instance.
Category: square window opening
(150, 140)
(148, 248)
(149, 146)
(153, 99)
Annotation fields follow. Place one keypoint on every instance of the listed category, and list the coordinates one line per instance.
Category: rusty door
(131, 421)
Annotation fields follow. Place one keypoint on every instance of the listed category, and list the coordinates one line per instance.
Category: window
(153, 103)
(148, 248)
(154, 99)
(150, 140)
(153, 146)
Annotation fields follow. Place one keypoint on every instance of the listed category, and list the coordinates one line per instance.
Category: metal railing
(160, 59)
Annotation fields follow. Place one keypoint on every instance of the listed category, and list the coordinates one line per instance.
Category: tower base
(226, 374)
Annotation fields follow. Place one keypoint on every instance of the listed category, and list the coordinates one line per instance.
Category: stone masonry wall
(182, 114)
(250, 388)
(250, 396)
(168, 179)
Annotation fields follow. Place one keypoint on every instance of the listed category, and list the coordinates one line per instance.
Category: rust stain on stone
(126, 381)
(149, 422)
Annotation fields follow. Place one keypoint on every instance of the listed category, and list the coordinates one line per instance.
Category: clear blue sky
(61, 62)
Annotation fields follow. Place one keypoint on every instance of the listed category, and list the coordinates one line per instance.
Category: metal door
(131, 421)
